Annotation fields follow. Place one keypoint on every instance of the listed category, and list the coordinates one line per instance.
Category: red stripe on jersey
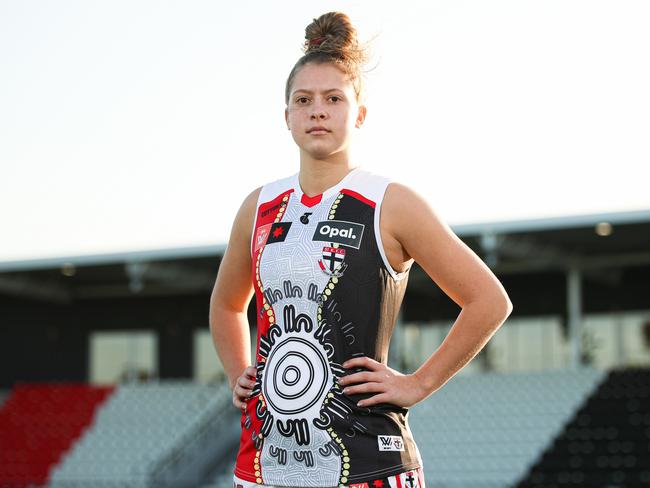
(398, 478)
(358, 196)
(266, 215)
(311, 201)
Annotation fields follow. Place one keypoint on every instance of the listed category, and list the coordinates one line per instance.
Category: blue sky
(131, 125)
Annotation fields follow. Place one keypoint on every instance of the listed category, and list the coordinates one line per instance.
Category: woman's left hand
(404, 390)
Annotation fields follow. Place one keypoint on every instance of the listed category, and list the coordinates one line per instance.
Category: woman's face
(321, 95)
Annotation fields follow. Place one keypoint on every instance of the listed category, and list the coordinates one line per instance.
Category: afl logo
(340, 231)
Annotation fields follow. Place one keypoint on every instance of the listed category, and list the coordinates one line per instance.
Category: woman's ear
(361, 116)
(286, 118)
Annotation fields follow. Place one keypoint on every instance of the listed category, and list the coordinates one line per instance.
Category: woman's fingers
(239, 397)
(237, 402)
(377, 371)
(375, 399)
(390, 385)
(364, 388)
(364, 362)
(244, 387)
(364, 376)
(374, 368)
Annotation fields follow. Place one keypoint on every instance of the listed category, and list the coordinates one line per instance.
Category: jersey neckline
(311, 201)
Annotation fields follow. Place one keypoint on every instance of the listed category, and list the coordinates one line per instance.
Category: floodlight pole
(574, 314)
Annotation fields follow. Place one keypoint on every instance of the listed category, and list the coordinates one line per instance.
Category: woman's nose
(319, 113)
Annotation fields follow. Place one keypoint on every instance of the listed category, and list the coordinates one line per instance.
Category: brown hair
(331, 38)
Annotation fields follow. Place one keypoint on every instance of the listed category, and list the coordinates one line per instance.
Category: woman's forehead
(322, 79)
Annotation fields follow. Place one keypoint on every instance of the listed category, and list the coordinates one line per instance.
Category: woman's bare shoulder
(412, 219)
(246, 214)
(250, 201)
(429, 239)
(398, 203)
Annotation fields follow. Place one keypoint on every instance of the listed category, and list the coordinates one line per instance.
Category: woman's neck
(318, 175)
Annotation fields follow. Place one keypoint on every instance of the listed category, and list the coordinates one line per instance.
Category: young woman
(327, 252)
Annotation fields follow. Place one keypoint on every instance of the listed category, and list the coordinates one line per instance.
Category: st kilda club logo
(332, 261)
(337, 233)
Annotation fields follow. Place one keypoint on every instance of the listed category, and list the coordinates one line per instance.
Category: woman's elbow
(508, 306)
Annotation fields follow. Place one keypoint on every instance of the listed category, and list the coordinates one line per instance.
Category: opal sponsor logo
(339, 231)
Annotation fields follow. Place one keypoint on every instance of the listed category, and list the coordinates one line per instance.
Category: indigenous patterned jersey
(325, 293)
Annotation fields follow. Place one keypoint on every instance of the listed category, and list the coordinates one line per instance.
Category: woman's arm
(461, 274)
(230, 297)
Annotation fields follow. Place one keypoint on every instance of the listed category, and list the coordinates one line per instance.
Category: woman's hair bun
(334, 34)
(332, 38)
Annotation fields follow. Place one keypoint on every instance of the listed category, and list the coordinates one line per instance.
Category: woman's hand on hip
(391, 386)
(244, 387)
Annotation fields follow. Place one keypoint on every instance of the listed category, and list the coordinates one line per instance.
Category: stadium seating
(607, 440)
(38, 423)
(137, 428)
(485, 431)
(491, 430)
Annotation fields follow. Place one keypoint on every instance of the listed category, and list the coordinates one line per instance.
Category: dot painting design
(345, 471)
(258, 437)
(265, 304)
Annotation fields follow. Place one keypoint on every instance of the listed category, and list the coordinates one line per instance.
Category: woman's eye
(338, 98)
(299, 100)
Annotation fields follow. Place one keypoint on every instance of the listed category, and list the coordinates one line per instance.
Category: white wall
(118, 355)
(533, 344)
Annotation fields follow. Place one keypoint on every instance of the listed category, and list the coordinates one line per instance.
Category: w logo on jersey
(390, 443)
(332, 262)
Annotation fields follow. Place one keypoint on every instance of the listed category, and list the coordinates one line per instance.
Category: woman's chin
(320, 152)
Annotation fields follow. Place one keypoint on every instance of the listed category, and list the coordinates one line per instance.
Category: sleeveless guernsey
(325, 292)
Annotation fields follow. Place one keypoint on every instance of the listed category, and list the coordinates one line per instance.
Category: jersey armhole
(380, 245)
(257, 208)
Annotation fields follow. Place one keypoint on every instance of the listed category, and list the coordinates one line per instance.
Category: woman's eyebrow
(309, 92)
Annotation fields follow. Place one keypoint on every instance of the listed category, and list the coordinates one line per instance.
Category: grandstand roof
(590, 241)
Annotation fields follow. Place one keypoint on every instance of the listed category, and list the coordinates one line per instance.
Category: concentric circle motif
(291, 375)
(295, 376)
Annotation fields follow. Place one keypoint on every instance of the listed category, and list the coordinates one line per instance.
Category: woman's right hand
(243, 387)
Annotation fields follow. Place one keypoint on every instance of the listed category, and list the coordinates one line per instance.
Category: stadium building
(108, 374)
